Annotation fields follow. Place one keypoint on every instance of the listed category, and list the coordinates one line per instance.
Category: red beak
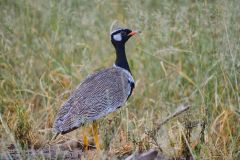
(132, 33)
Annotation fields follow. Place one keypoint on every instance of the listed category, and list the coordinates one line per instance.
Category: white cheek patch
(117, 37)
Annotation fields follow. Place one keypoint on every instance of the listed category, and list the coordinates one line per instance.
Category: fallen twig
(182, 108)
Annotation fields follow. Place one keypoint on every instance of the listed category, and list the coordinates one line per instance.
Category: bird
(100, 93)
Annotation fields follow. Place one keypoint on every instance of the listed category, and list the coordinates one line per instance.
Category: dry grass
(188, 53)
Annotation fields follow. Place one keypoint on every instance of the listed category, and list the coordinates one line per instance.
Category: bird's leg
(85, 140)
(95, 134)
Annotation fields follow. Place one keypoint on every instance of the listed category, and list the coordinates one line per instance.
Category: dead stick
(179, 110)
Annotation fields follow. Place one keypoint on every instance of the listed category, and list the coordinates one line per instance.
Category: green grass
(188, 52)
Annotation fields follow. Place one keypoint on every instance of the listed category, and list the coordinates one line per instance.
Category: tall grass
(188, 53)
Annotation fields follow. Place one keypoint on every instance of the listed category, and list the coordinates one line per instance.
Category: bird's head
(121, 35)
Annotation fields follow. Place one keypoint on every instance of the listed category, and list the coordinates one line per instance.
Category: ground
(187, 53)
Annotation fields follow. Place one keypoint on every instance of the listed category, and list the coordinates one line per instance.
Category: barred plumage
(101, 93)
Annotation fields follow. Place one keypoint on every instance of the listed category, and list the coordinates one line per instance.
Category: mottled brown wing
(100, 94)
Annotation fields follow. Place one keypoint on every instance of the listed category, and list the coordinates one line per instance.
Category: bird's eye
(123, 33)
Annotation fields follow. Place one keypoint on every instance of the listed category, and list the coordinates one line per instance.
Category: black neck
(121, 59)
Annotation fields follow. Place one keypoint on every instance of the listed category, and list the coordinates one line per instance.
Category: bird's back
(99, 94)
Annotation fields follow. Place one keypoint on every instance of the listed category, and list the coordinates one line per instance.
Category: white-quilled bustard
(100, 93)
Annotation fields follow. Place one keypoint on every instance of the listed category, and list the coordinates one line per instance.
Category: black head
(121, 36)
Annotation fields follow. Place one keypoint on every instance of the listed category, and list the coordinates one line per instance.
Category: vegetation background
(188, 53)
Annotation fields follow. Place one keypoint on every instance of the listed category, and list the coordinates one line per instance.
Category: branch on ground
(180, 109)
